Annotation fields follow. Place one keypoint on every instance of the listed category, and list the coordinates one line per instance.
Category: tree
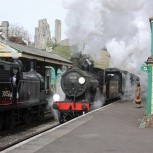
(64, 51)
(19, 31)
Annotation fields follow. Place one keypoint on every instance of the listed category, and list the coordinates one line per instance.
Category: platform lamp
(149, 108)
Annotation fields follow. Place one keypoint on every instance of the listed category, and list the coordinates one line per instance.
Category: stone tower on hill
(4, 28)
(42, 34)
(57, 30)
(102, 60)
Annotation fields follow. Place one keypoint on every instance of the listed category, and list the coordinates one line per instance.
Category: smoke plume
(60, 92)
(122, 26)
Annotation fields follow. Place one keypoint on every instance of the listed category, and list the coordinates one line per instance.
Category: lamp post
(149, 108)
(151, 26)
(149, 88)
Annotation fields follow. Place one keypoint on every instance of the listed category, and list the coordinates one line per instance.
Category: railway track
(11, 137)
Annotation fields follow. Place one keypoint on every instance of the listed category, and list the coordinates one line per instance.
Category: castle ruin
(42, 34)
(4, 28)
(57, 30)
(103, 59)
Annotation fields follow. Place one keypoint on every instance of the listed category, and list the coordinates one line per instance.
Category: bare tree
(19, 31)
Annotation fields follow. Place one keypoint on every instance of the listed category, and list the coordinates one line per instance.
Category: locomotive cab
(22, 94)
(9, 80)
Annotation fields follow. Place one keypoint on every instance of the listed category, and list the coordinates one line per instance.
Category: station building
(46, 62)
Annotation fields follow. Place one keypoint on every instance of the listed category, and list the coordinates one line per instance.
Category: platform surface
(112, 129)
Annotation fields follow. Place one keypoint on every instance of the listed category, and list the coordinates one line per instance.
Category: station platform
(114, 128)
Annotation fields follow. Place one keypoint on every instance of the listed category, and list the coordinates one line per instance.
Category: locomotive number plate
(6, 93)
(73, 77)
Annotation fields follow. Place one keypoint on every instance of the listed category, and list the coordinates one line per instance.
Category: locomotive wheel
(10, 121)
(1, 121)
(65, 117)
(62, 117)
(41, 115)
(27, 117)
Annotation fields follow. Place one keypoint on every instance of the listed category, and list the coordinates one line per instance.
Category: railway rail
(12, 137)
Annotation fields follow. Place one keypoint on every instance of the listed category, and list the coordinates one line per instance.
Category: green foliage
(53, 45)
(64, 51)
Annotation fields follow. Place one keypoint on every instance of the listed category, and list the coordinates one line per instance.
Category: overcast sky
(122, 26)
(26, 13)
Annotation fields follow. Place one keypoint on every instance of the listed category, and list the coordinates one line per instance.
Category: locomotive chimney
(33, 65)
(75, 59)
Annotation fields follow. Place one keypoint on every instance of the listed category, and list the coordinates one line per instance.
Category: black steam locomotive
(22, 94)
(88, 85)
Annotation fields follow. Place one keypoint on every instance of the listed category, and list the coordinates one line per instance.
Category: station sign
(144, 68)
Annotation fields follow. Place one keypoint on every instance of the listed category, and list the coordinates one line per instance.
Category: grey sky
(26, 13)
(122, 26)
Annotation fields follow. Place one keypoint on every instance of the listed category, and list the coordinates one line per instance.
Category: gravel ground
(19, 134)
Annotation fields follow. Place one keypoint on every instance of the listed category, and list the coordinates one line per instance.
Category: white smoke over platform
(61, 94)
(122, 26)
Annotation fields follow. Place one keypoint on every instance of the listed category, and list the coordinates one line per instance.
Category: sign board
(144, 67)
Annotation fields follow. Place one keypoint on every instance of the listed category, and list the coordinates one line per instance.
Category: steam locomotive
(85, 86)
(22, 94)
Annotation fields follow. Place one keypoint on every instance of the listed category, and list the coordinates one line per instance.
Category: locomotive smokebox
(75, 59)
(33, 65)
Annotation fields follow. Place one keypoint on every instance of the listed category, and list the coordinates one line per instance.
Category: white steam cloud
(122, 26)
(61, 94)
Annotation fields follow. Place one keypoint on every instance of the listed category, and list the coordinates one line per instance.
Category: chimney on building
(58, 30)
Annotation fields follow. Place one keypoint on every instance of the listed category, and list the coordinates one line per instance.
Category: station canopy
(11, 49)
